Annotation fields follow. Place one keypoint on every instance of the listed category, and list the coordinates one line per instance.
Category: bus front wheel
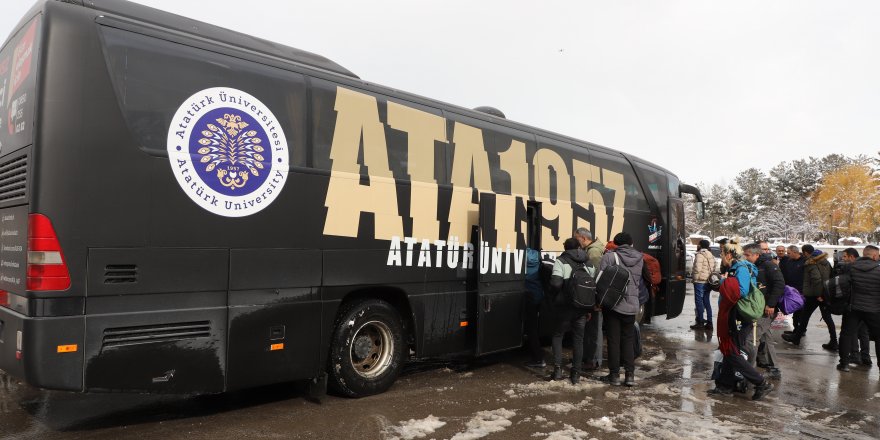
(367, 350)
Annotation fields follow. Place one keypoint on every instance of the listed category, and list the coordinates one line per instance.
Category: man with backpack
(534, 298)
(817, 270)
(864, 306)
(572, 280)
(860, 353)
(704, 265)
(771, 284)
(593, 331)
(620, 313)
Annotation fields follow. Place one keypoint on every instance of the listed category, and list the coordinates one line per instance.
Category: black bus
(189, 209)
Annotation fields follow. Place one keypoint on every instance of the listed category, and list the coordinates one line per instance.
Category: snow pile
(485, 423)
(654, 362)
(664, 390)
(414, 428)
(604, 423)
(568, 433)
(546, 388)
(564, 407)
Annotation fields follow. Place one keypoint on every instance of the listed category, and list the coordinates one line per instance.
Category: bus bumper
(43, 352)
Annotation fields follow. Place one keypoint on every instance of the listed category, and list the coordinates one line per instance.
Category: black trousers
(810, 305)
(574, 321)
(851, 322)
(862, 342)
(733, 363)
(621, 341)
(534, 342)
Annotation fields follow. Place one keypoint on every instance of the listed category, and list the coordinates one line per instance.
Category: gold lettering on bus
(469, 159)
(558, 212)
(422, 129)
(360, 133)
(357, 117)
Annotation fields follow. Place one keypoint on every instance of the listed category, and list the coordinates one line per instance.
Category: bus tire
(367, 349)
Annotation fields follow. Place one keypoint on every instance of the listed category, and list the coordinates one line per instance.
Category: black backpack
(838, 293)
(579, 290)
(611, 283)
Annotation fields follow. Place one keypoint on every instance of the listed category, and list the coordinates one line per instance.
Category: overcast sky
(705, 89)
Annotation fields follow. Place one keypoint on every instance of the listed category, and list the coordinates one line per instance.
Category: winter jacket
(533, 277)
(770, 280)
(561, 268)
(594, 252)
(865, 275)
(793, 272)
(745, 274)
(704, 265)
(631, 259)
(817, 270)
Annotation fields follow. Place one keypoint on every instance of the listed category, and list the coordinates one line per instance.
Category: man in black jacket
(792, 268)
(771, 283)
(864, 303)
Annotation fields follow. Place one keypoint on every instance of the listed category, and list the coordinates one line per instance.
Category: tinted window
(18, 72)
(154, 77)
(635, 199)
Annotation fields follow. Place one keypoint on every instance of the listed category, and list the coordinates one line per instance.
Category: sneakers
(611, 378)
(536, 364)
(762, 390)
(866, 361)
(574, 376)
(792, 338)
(843, 367)
(831, 346)
(629, 379)
(698, 326)
(708, 325)
(556, 374)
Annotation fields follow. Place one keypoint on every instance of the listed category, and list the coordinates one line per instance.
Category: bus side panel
(163, 351)
(274, 316)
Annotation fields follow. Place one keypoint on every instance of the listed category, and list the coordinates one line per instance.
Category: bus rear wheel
(367, 349)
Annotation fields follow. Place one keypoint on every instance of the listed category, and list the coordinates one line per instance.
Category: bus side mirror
(701, 211)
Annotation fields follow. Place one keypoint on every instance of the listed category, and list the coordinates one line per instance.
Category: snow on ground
(564, 407)
(546, 388)
(414, 428)
(567, 433)
(485, 423)
(654, 362)
(604, 423)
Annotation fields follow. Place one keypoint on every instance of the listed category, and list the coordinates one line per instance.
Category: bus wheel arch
(368, 346)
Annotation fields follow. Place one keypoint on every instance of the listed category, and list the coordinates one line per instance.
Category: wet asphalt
(494, 398)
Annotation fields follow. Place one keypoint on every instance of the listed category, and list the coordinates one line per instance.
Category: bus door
(500, 273)
(676, 248)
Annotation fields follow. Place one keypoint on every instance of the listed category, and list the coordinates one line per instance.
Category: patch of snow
(485, 423)
(664, 389)
(655, 361)
(414, 428)
(567, 433)
(612, 395)
(564, 407)
(546, 388)
(604, 423)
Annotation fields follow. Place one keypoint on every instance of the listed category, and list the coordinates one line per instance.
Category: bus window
(18, 66)
(152, 77)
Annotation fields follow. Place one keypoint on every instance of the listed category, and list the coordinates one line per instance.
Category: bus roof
(216, 33)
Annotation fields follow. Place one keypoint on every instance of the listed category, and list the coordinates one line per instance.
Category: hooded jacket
(817, 270)
(704, 265)
(595, 251)
(631, 259)
(770, 279)
(865, 275)
(561, 268)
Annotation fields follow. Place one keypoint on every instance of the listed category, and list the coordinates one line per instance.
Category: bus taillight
(46, 267)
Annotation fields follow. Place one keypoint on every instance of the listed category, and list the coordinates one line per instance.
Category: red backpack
(651, 273)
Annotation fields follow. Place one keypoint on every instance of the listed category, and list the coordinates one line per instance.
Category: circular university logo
(228, 152)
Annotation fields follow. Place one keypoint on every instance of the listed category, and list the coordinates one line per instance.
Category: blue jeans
(702, 295)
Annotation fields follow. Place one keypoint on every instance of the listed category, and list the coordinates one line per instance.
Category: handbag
(752, 306)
